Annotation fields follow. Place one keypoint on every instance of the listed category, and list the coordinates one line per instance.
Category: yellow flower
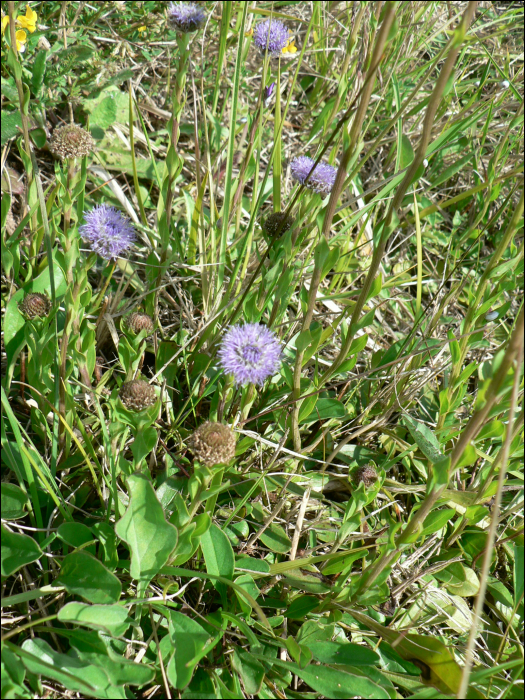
(142, 29)
(29, 21)
(21, 38)
(5, 22)
(249, 32)
(290, 47)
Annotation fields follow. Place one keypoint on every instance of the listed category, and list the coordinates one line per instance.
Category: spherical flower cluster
(137, 395)
(71, 141)
(251, 353)
(278, 221)
(271, 34)
(139, 321)
(186, 16)
(35, 304)
(322, 178)
(108, 232)
(367, 475)
(213, 443)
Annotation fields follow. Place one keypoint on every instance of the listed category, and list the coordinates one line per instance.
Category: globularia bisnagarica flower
(321, 180)
(71, 141)
(186, 16)
(139, 321)
(213, 443)
(271, 34)
(107, 231)
(35, 304)
(251, 353)
(137, 395)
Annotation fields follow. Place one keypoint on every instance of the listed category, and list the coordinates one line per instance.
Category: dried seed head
(35, 304)
(139, 321)
(366, 474)
(213, 443)
(137, 395)
(71, 141)
(277, 222)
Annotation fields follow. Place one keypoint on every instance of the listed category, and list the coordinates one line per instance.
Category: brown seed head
(277, 222)
(366, 474)
(213, 443)
(137, 395)
(139, 321)
(35, 304)
(71, 141)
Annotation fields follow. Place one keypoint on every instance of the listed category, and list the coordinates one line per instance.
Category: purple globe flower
(108, 232)
(186, 16)
(272, 34)
(321, 180)
(251, 353)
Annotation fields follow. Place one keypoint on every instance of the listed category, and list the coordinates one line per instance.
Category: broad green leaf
(425, 439)
(246, 582)
(459, 580)
(301, 606)
(81, 574)
(191, 642)
(113, 620)
(443, 671)
(144, 528)
(76, 534)
(258, 566)
(326, 409)
(299, 652)
(218, 555)
(334, 682)
(14, 502)
(276, 539)
(437, 520)
(336, 653)
(249, 669)
(17, 551)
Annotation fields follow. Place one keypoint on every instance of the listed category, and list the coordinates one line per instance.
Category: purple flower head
(272, 34)
(108, 232)
(251, 353)
(321, 180)
(186, 16)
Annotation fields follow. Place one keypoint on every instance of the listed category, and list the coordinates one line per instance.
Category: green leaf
(406, 155)
(246, 582)
(11, 125)
(301, 606)
(334, 682)
(454, 348)
(190, 642)
(276, 539)
(110, 619)
(17, 551)
(81, 574)
(436, 521)
(144, 528)
(299, 652)
(425, 439)
(218, 555)
(39, 69)
(14, 502)
(76, 534)
(258, 566)
(518, 573)
(326, 409)
(337, 653)
(249, 669)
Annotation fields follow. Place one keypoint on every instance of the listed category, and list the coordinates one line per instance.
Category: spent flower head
(251, 353)
(278, 221)
(366, 475)
(186, 16)
(322, 178)
(107, 231)
(35, 305)
(139, 321)
(137, 395)
(271, 34)
(71, 141)
(213, 443)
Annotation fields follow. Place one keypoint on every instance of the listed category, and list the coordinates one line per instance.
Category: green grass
(367, 538)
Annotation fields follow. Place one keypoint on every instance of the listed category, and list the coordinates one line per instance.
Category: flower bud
(367, 475)
(139, 321)
(213, 443)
